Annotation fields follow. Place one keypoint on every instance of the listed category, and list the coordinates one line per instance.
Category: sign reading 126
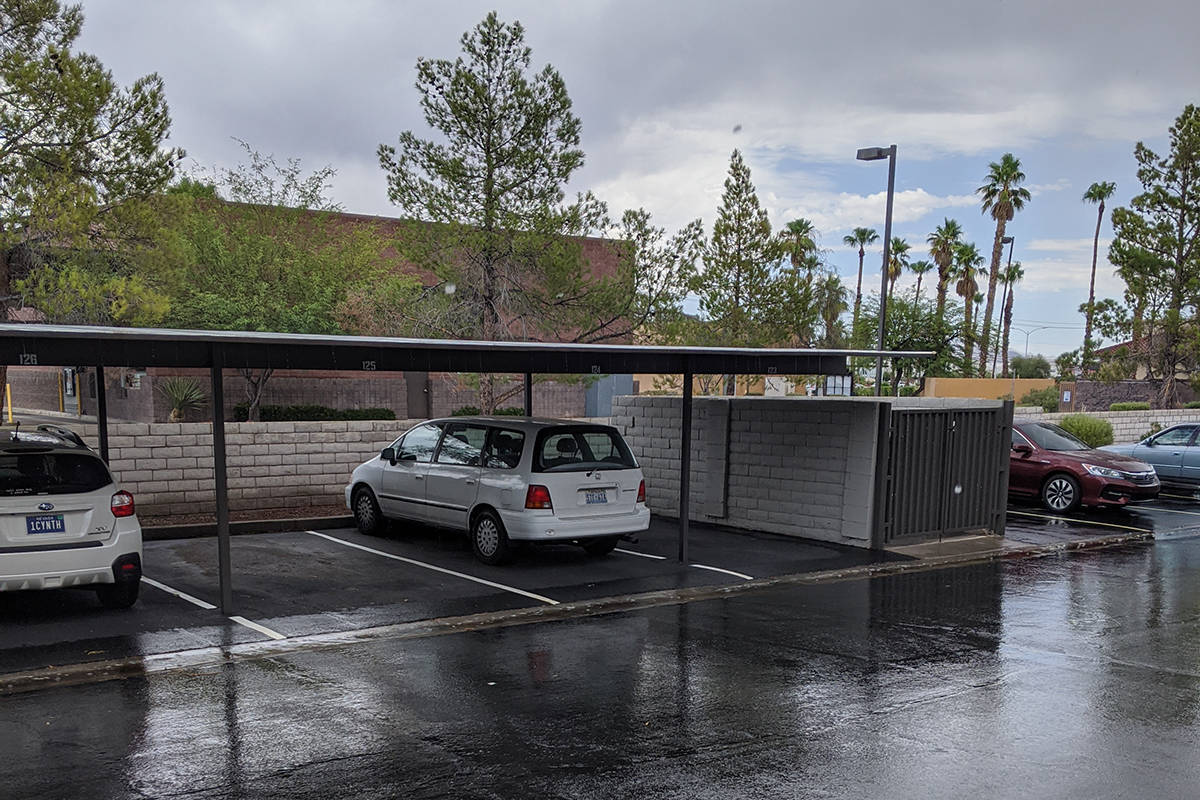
(28, 360)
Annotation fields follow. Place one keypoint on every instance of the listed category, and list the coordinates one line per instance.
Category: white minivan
(504, 479)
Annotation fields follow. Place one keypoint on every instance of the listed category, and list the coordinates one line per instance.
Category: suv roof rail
(63, 433)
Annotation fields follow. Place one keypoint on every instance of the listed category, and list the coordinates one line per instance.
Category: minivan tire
(489, 540)
(600, 546)
(1060, 493)
(367, 515)
(119, 595)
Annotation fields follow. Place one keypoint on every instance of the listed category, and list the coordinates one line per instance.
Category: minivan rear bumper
(545, 527)
(75, 567)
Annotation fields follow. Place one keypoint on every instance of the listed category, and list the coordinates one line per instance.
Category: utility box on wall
(825, 469)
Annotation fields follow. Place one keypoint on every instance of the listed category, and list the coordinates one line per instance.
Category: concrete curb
(208, 529)
(96, 671)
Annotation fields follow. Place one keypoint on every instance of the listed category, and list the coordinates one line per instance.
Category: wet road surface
(1069, 677)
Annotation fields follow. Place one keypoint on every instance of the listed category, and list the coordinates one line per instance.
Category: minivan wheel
(119, 595)
(489, 540)
(1060, 493)
(601, 546)
(367, 515)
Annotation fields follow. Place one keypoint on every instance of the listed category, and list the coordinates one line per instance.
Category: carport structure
(100, 347)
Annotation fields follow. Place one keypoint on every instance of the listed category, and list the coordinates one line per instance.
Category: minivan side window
(419, 443)
(504, 449)
(462, 444)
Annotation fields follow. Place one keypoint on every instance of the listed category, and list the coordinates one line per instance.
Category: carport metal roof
(99, 347)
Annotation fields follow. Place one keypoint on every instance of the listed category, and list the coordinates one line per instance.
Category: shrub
(1046, 398)
(310, 413)
(1130, 406)
(1192, 404)
(1155, 427)
(182, 395)
(473, 411)
(1094, 432)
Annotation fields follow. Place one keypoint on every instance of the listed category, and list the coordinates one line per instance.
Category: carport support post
(529, 394)
(685, 466)
(102, 413)
(220, 481)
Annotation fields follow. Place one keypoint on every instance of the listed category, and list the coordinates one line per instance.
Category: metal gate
(946, 474)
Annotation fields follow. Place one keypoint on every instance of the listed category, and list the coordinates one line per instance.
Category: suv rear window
(580, 449)
(51, 473)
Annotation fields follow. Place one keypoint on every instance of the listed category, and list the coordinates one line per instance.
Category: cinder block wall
(271, 465)
(797, 466)
(1128, 426)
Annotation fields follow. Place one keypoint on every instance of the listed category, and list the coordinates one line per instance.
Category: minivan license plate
(45, 523)
(593, 496)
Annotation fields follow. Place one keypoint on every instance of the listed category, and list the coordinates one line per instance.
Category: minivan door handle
(470, 482)
(419, 477)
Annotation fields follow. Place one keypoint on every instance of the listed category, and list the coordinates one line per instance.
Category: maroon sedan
(1051, 464)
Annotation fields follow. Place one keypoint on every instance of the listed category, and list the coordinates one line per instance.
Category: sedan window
(1052, 437)
(1175, 437)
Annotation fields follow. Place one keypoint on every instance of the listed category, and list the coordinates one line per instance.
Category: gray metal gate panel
(946, 473)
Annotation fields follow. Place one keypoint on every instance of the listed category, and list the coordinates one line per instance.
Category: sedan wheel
(489, 540)
(1061, 493)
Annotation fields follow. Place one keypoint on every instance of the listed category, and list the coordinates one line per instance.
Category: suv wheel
(1060, 493)
(489, 540)
(119, 595)
(367, 515)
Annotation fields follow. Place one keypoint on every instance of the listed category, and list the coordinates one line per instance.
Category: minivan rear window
(581, 449)
(51, 473)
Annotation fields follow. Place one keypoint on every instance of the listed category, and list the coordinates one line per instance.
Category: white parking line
(183, 595)
(1081, 521)
(1170, 510)
(254, 626)
(741, 575)
(636, 553)
(443, 570)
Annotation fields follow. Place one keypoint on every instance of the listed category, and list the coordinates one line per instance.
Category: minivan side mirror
(1022, 449)
(388, 454)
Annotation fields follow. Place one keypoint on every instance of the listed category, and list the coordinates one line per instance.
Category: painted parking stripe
(1178, 496)
(1081, 521)
(636, 553)
(254, 626)
(741, 575)
(1169, 510)
(196, 601)
(435, 568)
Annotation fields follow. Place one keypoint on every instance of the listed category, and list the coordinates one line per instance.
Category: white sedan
(504, 479)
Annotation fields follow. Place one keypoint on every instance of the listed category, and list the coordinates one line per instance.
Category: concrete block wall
(797, 466)
(1128, 426)
(271, 465)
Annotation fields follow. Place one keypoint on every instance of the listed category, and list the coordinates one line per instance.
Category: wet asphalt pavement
(1075, 676)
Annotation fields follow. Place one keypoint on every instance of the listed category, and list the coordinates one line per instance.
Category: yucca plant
(182, 395)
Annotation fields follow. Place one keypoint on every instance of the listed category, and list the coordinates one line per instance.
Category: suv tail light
(642, 492)
(538, 497)
(122, 504)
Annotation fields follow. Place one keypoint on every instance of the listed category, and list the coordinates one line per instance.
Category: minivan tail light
(642, 492)
(122, 504)
(538, 497)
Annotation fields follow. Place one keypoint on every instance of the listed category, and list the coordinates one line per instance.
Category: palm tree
(942, 242)
(1012, 276)
(919, 268)
(1003, 196)
(860, 238)
(799, 243)
(1096, 193)
(967, 261)
(830, 298)
(897, 261)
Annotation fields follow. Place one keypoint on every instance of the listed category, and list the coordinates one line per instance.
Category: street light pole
(875, 154)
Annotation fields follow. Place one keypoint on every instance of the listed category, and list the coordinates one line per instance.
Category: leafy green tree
(942, 243)
(738, 288)
(967, 261)
(1030, 367)
(860, 238)
(1002, 195)
(914, 325)
(1096, 193)
(1156, 249)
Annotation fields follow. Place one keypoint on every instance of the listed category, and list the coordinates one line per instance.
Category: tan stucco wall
(987, 388)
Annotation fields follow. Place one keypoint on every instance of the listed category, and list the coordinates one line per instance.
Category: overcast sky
(662, 86)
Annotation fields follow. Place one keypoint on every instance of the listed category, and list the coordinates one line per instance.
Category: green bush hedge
(1192, 404)
(1046, 398)
(473, 411)
(1130, 406)
(310, 413)
(1095, 432)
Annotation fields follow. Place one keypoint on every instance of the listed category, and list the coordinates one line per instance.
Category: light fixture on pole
(876, 154)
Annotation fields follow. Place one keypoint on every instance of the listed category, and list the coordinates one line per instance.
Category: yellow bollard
(78, 397)
(8, 400)
(62, 403)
